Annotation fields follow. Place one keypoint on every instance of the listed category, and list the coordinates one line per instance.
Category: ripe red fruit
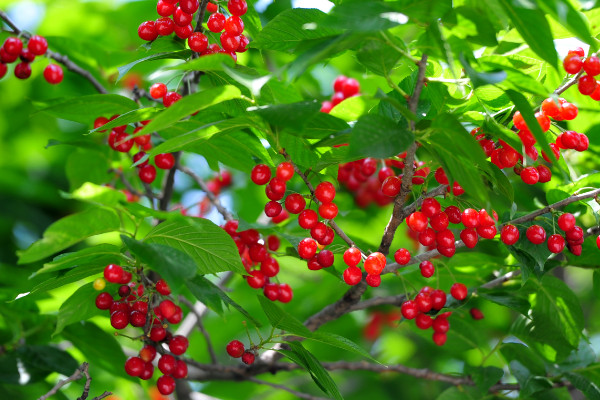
(166, 364)
(164, 26)
(325, 258)
(158, 90)
(438, 299)
(427, 269)
(586, 85)
(113, 273)
(158, 333)
(164, 160)
(285, 293)
(427, 237)
(584, 142)
(350, 87)
(189, 6)
(568, 111)
(269, 267)
(216, 22)
(373, 280)
(23, 70)
(271, 291)
(423, 321)
(445, 238)
(569, 139)
(147, 353)
(328, 210)
(104, 301)
(402, 256)
(470, 218)
(352, 276)
(385, 173)
(325, 192)
(530, 175)
(439, 338)
(352, 257)
(550, 107)
(476, 313)
(440, 221)
(446, 251)
(37, 45)
(575, 235)
(119, 319)
(163, 288)
(536, 234)
(257, 252)
(295, 203)
(134, 366)
(53, 74)
(417, 221)
(308, 219)
(556, 243)
(198, 42)
(469, 237)
(423, 302)
(165, 385)
(319, 231)
(430, 207)
(234, 25)
(409, 309)
(146, 31)
(164, 8)
(13, 46)
(572, 63)
(487, 232)
(566, 222)
(261, 174)
(256, 280)
(137, 318)
(147, 173)
(459, 291)
(235, 348)
(440, 325)
(272, 209)
(307, 248)
(171, 98)
(181, 370)
(285, 171)
(248, 357)
(544, 173)
(236, 7)
(375, 263)
(598, 242)
(391, 186)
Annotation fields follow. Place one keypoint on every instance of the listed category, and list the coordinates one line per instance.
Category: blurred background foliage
(101, 36)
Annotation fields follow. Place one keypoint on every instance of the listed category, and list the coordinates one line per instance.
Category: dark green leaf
(365, 16)
(70, 230)
(533, 27)
(378, 57)
(281, 319)
(87, 165)
(590, 388)
(174, 265)
(212, 249)
(46, 359)
(65, 277)
(291, 115)
(532, 257)
(379, 137)
(506, 298)
(484, 377)
(101, 254)
(226, 149)
(78, 307)
(178, 55)
(479, 79)
(85, 109)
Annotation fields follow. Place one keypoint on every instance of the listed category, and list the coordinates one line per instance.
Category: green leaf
(78, 307)
(484, 377)
(281, 319)
(340, 342)
(527, 112)
(292, 115)
(479, 79)
(353, 108)
(70, 230)
(190, 134)
(506, 298)
(211, 247)
(304, 358)
(85, 109)
(141, 114)
(189, 105)
(532, 257)
(97, 345)
(65, 277)
(46, 359)
(360, 16)
(533, 27)
(87, 165)
(177, 55)
(173, 265)
(290, 28)
(588, 387)
(101, 254)
(97, 194)
(210, 62)
(460, 393)
(226, 149)
(557, 315)
(564, 12)
(378, 57)
(379, 137)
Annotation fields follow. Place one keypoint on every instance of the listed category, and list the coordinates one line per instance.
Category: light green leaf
(378, 136)
(179, 55)
(102, 254)
(85, 109)
(210, 62)
(78, 307)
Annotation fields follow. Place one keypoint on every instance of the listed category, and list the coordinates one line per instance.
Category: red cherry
(164, 26)
(476, 313)
(469, 237)
(352, 257)
(256, 280)
(37, 45)
(584, 142)
(171, 98)
(574, 235)
(446, 251)
(373, 280)
(166, 364)
(440, 176)
(544, 173)
(427, 269)
(285, 171)
(339, 83)
(586, 85)
(104, 301)
(295, 203)
(271, 291)
(487, 232)
(350, 87)
(352, 276)
(147, 173)
(438, 299)
(430, 207)
(236, 7)
(157, 333)
(165, 385)
(445, 238)
(423, 302)
(146, 31)
(13, 46)
(257, 252)
(147, 353)
(134, 366)
(181, 18)
(530, 175)
(158, 90)
(470, 218)
(427, 237)
(402, 256)
(459, 291)
(234, 25)
(23, 70)
(163, 288)
(53, 74)
(328, 210)
(216, 22)
(308, 219)
(325, 258)
(189, 6)
(272, 209)
(391, 186)
(423, 321)
(566, 222)
(307, 248)
(550, 107)
(181, 370)
(568, 111)
(556, 243)
(119, 319)
(164, 9)
(375, 263)
(248, 357)
(440, 221)
(325, 192)
(164, 160)
(417, 221)
(572, 63)
(440, 325)
(285, 293)
(569, 139)
(261, 174)
(577, 50)
(536, 234)
(235, 348)
(113, 273)
(439, 338)
(198, 42)
(409, 309)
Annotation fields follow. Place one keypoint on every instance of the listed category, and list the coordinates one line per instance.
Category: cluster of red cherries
(148, 308)
(177, 16)
(574, 62)
(13, 50)
(159, 91)
(121, 141)
(258, 261)
(236, 349)
(343, 88)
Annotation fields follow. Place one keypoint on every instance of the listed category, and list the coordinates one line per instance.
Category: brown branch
(64, 60)
(78, 374)
(201, 328)
(200, 19)
(125, 182)
(102, 396)
(287, 389)
(569, 83)
(211, 196)
(407, 174)
(168, 186)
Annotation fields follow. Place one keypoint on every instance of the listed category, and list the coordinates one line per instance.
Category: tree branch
(78, 374)
(168, 186)
(211, 196)
(200, 325)
(64, 60)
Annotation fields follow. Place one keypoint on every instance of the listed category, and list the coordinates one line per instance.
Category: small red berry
(476, 313)
(53, 74)
(146, 31)
(439, 338)
(158, 90)
(171, 98)
(261, 174)
(37, 45)
(216, 22)
(147, 173)
(164, 160)
(248, 357)
(530, 175)
(165, 385)
(352, 276)
(536, 234)
(163, 288)
(427, 269)
(556, 243)
(325, 192)
(235, 348)
(134, 366)
(409, 309)
(459, 291)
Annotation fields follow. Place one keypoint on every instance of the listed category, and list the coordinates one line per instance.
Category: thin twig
(201, 12)
(211, 196)
(125, 182)
(78, 374)
(169, 185)
(201, 328)
(287, 389)
(64, 60)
